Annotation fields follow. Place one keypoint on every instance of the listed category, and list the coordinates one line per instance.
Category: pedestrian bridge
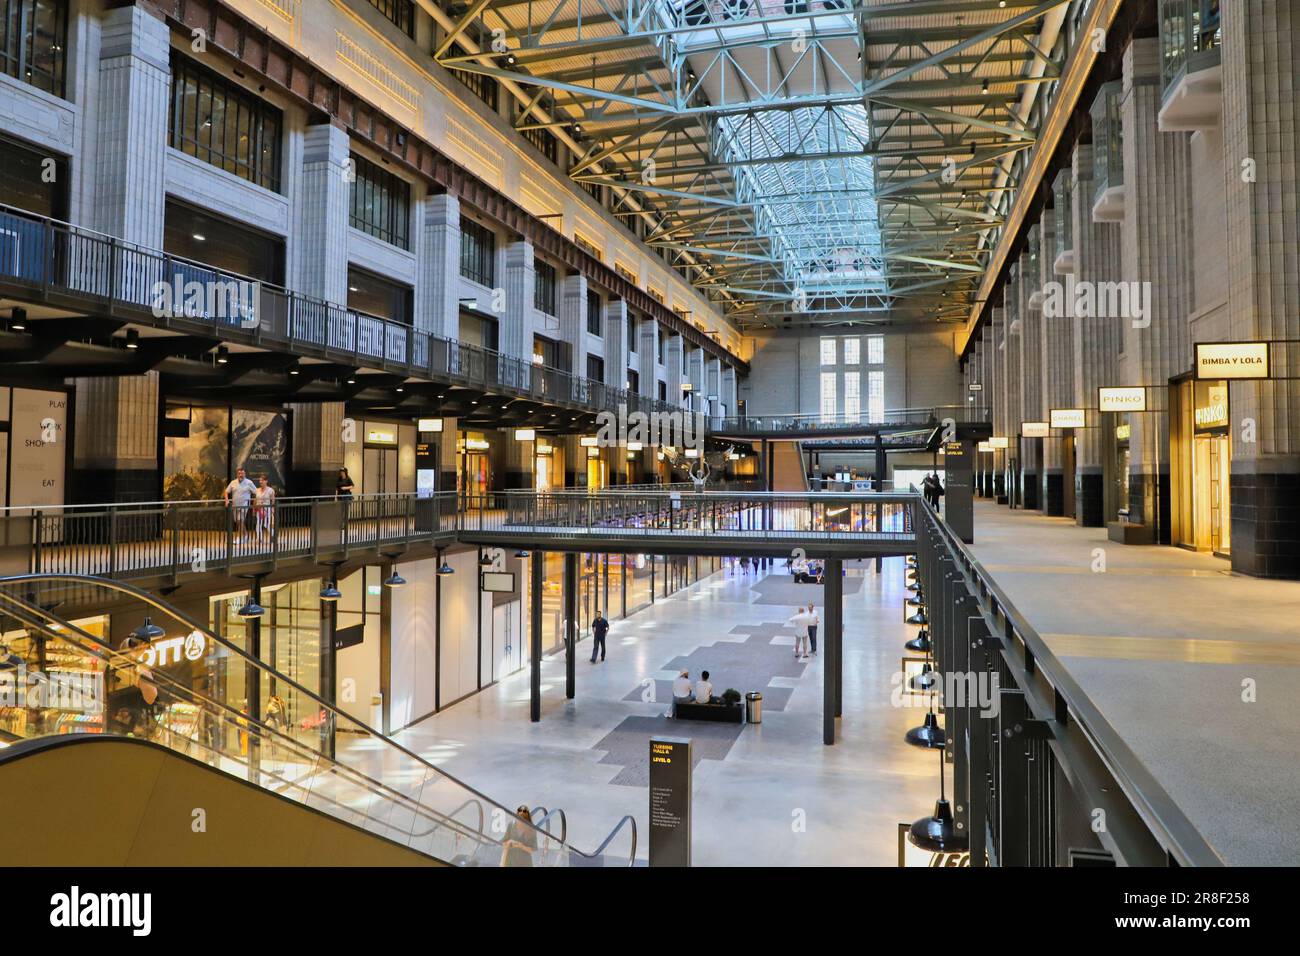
(164, 542)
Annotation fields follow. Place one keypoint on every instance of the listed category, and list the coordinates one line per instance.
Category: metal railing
(170, 538)
(891, 418)
(59, 259)
(718, 518)
(1025, 729)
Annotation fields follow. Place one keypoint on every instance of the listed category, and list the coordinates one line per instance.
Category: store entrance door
(1067, 474)
(379, 471)
(1211, 465)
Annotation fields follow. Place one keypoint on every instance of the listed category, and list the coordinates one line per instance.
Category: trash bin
(754, 707)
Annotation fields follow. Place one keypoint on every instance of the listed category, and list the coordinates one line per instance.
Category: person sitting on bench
(703, 689)
(681, 692)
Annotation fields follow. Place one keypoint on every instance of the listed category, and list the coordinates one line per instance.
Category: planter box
(723, 713)
(1128, 533)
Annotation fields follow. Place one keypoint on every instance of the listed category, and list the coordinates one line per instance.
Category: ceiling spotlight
(294, 369)
(199, 237)
(223, 355)
(352, 380)
(132, 338)
(18, 320)
(984, 87)
(330, 592)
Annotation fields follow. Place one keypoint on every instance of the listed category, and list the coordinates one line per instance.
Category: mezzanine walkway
(169, 540)
(1196, 668)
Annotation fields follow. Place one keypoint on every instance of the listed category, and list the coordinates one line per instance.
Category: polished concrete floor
(1197, 668)
(778, 796)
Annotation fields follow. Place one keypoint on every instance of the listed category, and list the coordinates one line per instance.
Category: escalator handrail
(545, 821)
(631, 857)
(152, 601)
(31, 618)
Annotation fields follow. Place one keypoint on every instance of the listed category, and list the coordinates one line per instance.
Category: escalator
(788, 470)
(207, 723)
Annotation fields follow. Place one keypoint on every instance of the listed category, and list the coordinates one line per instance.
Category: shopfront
(1201, 450)
(474, 467)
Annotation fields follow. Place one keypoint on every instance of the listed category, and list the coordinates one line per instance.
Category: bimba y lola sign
(1232, 360)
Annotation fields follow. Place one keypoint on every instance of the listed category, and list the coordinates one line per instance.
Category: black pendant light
(929, 734)
(148, 631)
(251, 609)
(521, 553)
(918, 618)
(394, 580)
(925, 680)
(330, 592)
(938, 833)
(916, 600)
(921, 642)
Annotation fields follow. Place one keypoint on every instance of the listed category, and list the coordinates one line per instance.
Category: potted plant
(731, 696)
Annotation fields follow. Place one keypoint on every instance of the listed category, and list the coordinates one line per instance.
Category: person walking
(800, 622)
(813, 621)
(237, 496)
(265, 508)
(599, 628)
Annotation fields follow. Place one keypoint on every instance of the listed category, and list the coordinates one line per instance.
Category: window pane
(828, 351)
(852, 394)
(850, 354)
(828, 403)
(875, 350)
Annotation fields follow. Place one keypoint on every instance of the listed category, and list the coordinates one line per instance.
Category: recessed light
(200, 237)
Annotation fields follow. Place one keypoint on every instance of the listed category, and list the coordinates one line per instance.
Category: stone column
(648, 349)
(1261, 109)
(115, 440)
(573, 319)
(997, 376)
(437, 278)
(616, 361)
(1031, 377)
(728, 393)
(1057, 372)
(675, 367)
(1011, 387)
(131, 118)
(1095, 338)
(695, 375)
(517, 319)
(317, 453)
(1156, 253)
(712, 383)
(323, 218)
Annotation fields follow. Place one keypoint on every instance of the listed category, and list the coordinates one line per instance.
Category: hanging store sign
(999, 441)
(1122, 432)
(976, 387)
(1067, 418)
(1034, 429)
(984, 446)
(429, 424)
(1210, 406)
(1122, 399)
(1232, 360)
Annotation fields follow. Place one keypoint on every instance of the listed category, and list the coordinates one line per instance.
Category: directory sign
(670, 801)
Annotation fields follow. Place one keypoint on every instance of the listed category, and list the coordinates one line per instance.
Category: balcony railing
(891, 418)
(57, 260)
(173, 538)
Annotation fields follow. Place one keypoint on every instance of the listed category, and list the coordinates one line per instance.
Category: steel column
(535, 644)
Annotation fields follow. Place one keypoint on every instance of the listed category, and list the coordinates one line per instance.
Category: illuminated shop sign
(984, 446)
(1210, 409)
(1232, 360)
(172, 650)
(381, 436)
(1123, 399)
(429, 424)
(1067, 418)
(1122, 432)
(1034, 429)
(998, 441)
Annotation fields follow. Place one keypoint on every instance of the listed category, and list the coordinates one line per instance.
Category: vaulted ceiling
(801, 162)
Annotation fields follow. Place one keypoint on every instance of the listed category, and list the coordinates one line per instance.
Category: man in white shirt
(813, 621)
(703, 689)
(800, 622)
(681, 691)
(238, 495)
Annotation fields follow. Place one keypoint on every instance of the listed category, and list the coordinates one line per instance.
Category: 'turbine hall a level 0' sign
(670, 801)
